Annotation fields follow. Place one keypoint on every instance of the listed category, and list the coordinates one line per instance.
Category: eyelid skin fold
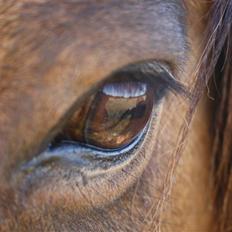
(154, 71)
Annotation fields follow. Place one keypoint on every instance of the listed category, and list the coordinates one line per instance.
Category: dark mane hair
(216, 64)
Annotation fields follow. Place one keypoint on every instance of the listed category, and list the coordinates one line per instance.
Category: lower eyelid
(55, 180)
(82, 155)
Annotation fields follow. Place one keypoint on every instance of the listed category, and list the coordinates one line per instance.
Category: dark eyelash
(155, 72)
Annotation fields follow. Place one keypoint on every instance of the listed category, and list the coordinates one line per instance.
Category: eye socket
(113, 117)
(105, 140)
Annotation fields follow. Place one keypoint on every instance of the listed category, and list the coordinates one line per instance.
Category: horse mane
(216, 65)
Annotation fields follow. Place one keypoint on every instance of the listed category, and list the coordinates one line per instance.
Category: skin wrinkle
(61, 55)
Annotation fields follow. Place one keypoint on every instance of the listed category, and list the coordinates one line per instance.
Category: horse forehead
(56, 26)
(93, 33)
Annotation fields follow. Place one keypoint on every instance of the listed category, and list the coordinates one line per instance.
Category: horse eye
(113, 117)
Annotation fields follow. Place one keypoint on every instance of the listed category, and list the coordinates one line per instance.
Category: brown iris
(114, 116)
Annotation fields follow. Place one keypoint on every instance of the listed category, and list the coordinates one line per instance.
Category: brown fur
(52, 54)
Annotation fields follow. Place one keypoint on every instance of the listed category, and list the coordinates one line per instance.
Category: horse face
(93, 96)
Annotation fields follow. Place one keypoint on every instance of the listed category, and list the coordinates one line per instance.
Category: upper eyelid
(147, 69)
(156, 71)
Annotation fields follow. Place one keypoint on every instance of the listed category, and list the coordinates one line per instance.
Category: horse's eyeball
(114, 116)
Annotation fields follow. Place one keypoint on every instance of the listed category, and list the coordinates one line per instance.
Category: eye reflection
(114, 116)
(122, 110)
